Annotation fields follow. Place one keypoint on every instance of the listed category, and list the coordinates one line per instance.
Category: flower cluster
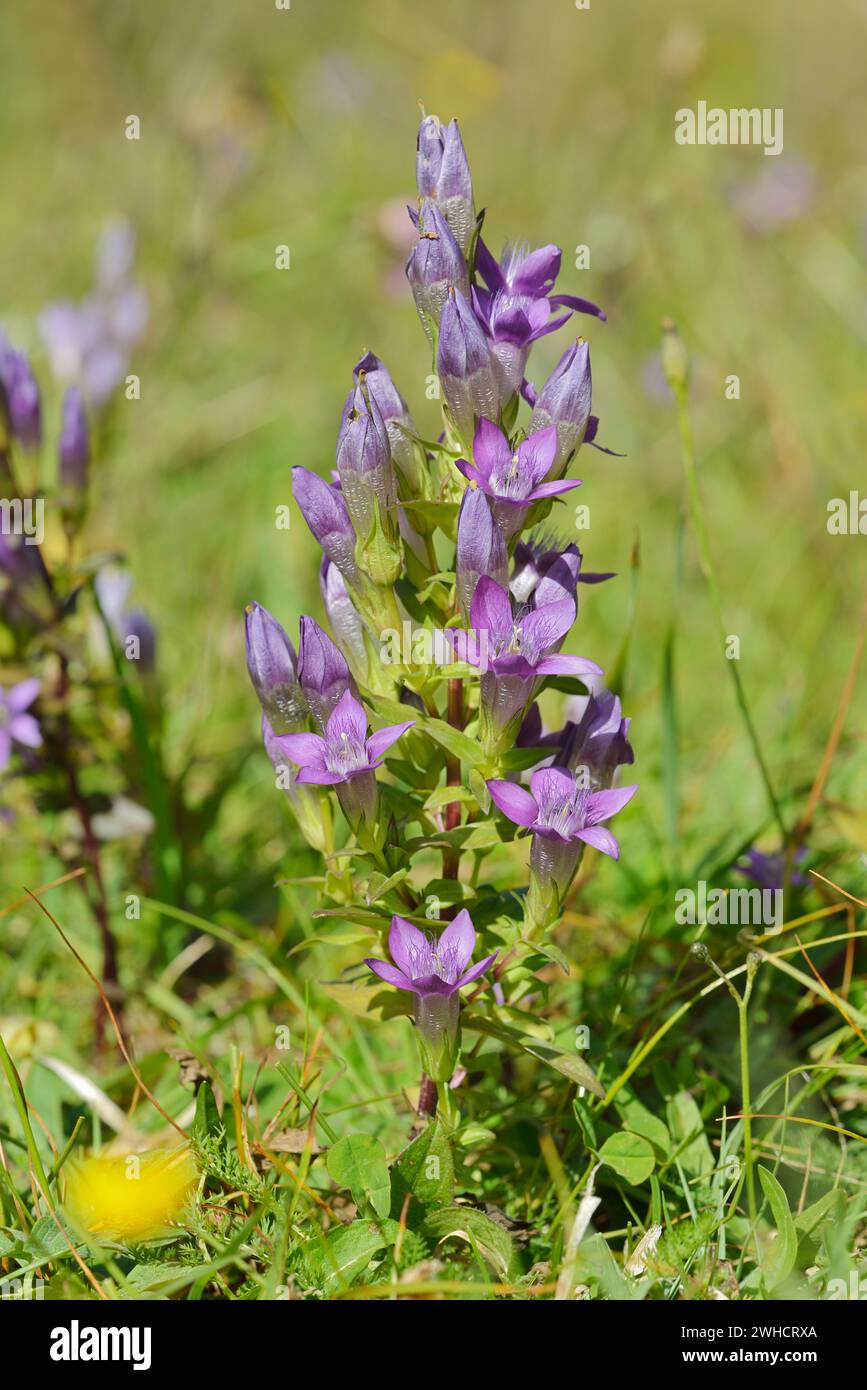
(447, 534)
(76, 661)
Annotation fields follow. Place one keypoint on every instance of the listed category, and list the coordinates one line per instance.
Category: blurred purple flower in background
(73, 445)
(112, 587)
(16, 725)
(20, 391)
(768, 870)
(89, 344)
(780, 193)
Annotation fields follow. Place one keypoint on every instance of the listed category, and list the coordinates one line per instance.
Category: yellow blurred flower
(129, 1196)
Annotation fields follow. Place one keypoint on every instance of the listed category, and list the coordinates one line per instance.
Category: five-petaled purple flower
(557, 808)
(513, 478)
(516, 306)
(16, 725)
(513, 650)
(345, 751)
(434, 970)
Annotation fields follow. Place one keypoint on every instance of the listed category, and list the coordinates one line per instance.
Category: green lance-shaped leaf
(778, 1256)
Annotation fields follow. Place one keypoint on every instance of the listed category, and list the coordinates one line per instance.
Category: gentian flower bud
(325, 512)
(435, 266)
(481, 549)
(443, 174)
(138, 625)
(564, 401)
(73, 451)
(408, 455)
(19, 396)
(322, 671)
(273, 669)
(465, 368)
(369, 486)
(343, 617)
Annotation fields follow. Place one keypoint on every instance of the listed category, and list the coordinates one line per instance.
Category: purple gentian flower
(513, 479)
(599, 741)
(536, 558)
(19, 388)
(514, 650)
(565, 401)
(322, 671)
(345, 751)
(73, 446)
(443, 175)
(557, 808)
(481, 549)
(16, 725)
(768, 870)
(325, 512)
(465, 367)
(436, 265)
(516, 306)
(364, 464)
(344, 757)
(434, 970)
(562, 817)
(273, 668)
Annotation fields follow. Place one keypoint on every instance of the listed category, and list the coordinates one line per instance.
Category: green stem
(743, 1038)
(447, 1107)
